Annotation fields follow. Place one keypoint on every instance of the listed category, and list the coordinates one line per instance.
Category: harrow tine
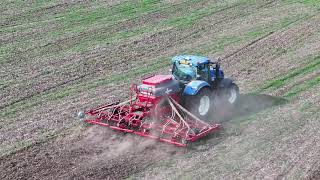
(187, 112)
(184, 123)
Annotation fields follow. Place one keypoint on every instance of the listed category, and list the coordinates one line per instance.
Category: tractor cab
(187, 68)
(200, 79)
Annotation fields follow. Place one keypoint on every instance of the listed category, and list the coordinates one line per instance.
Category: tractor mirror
(219, 60)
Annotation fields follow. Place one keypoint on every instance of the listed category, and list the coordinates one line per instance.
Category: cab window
(204, 72)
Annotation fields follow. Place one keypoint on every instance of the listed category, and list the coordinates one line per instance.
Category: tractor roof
(193, 60)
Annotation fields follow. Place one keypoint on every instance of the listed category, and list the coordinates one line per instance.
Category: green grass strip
(99, 18)
(310, 3)
(281, 81)
(302, 87)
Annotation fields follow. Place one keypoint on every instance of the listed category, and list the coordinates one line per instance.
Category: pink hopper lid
(157, 79)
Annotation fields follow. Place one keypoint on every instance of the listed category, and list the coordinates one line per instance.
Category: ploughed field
(61, 57)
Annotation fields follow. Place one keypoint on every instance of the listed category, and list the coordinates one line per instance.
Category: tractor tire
(200, 104)
(230, 95)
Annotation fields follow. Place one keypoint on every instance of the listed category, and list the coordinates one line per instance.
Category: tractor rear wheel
(231, 94)
(200, 104)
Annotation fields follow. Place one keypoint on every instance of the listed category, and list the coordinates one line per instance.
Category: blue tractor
(170, 108)
(202, 82)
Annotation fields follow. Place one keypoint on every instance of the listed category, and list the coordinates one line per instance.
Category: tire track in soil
(273, 35)
(244, 50)
(122, 163)
(122, 26)
(59, 84)
(6, 38)
(291, 35)
(102, 56)
(260, 39)
(150, 39)
(246, 46)
(54, 9)
(266, 50)
(126, 24)
(44, 90)
(14, 36)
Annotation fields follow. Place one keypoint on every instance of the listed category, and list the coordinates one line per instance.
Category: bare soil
(98, 154)
(281, 142)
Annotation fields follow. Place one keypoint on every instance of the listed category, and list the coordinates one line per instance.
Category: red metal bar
(160, 139)
(206, 132)
(137, 133)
